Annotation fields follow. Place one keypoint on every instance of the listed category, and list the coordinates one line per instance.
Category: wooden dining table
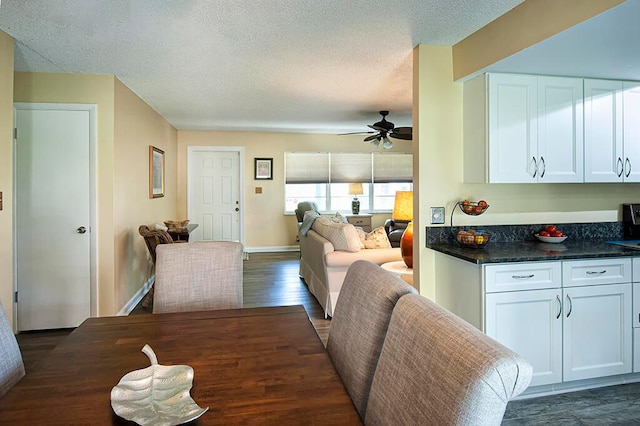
(251, 367)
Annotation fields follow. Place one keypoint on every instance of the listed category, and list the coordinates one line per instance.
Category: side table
(398, 267)
(361, 220)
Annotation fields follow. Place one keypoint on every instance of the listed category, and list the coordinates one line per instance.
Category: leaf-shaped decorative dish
(156, 395)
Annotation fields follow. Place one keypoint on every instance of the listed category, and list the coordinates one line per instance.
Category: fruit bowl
(473, 208)
(552, 240)
(472, 238)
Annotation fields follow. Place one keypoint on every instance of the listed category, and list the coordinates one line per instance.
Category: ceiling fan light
(387, 144)
(375, 142)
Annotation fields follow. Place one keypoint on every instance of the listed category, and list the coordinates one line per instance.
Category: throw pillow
(309, 217)
(377, 239)
(338, 218)
(343, 236)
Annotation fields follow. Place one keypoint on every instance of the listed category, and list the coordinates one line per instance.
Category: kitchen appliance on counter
(631, 221)
(631, 224)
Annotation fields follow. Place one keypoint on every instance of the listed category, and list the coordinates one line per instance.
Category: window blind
(392, 167)
(350, 167)
(306, 167)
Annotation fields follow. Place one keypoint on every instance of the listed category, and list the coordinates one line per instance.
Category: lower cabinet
(529, 323)
(597, 331)
(566, 333)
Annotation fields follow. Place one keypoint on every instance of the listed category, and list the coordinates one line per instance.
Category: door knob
(237, 209)
(81, 230)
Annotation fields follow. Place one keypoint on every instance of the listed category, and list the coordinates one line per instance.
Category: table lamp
(403, 211)
(355, 189)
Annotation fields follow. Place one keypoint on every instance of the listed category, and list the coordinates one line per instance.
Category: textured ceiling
(271, 65)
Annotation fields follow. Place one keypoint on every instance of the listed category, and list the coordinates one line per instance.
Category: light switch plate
(437, 215)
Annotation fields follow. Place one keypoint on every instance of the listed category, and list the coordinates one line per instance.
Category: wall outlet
(437, 215)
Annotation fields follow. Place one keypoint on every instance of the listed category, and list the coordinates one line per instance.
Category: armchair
(395, 229)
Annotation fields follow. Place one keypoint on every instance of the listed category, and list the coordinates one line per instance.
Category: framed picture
(264, 168)
(156, 172)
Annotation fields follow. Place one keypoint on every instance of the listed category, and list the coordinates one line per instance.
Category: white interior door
(215, 193)
(53, 217)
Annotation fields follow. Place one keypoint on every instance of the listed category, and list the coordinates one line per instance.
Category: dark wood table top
(251, 366)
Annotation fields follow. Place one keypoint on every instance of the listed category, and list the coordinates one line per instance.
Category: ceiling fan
(383, 130)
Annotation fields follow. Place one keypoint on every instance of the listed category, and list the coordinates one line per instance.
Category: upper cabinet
(612, 131)
(523, 129)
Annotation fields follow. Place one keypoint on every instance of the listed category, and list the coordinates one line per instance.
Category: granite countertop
(516, 243)
(527, 251)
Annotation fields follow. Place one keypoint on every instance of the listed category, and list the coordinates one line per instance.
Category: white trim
(93, 229)
(240, 150)
(137, 297)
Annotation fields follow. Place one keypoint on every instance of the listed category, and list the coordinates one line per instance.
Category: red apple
(543, 233)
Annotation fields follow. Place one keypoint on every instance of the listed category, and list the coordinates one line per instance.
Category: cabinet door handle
(570, 305)
(628, 169)
(522, 277)
(619, 166)
(544, 167)
(559, 306)
(535, 166)
(604, 271)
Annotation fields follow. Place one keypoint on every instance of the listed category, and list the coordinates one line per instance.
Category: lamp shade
(403, 206)
(355, 189)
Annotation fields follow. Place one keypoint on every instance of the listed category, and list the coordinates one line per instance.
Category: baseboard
(273, 249)
(137, 297)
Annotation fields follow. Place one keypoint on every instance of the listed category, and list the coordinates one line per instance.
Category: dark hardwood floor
(271, 279)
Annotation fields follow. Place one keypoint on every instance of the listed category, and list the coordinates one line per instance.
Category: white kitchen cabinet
(631, 130)
(597, 331)
(571, 319)
(603, 151)
(560, 130)
(530, 126)
(530, 324)
(512, 132)
(612, 131)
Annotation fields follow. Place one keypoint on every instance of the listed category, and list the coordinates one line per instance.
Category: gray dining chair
(437, 369)
(198, 276)
(11, 365)
(359, 324)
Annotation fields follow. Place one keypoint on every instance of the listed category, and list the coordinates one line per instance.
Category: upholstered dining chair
(11, 365)
(359, 324)
(198, 276)
(437, 369)
(153, 237)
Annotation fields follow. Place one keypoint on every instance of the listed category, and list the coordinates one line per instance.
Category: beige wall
(136, 127)
(6, 174)
(280, 230)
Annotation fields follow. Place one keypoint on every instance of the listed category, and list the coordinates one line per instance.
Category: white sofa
(323, 267)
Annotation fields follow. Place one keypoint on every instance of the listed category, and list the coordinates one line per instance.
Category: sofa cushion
(377, 239)
(339, 218)
(343, 236)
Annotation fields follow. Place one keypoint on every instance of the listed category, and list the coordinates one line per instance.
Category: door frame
(93, 229)
(191, 150)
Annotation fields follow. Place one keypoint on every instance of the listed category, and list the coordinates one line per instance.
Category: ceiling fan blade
(372, 137)
(405, 130)
(354, 133)
(387, 144)
(404, 136)
(378, 128)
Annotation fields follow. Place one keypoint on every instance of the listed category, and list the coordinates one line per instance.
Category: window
(324, 178)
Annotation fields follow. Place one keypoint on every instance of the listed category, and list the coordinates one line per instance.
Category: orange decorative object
(406, 245)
